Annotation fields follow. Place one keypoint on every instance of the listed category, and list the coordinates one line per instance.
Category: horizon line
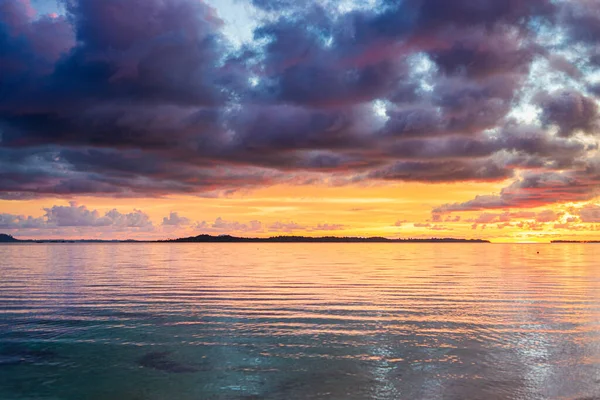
(8, 238)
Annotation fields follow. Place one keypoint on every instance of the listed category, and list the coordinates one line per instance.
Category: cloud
(10, 221)
(571, 112)
(508, 216)
(432, 227)
(535, 189)
(175, 220)
(124, 98)
(79, 220)
(590, 213)
(442, 171)
(328, 227)
(292, 226)
(285, 227)
(456, 218)
(547, 216)
(582, 19)
(440, 228)
(78, 216)
(223, 226)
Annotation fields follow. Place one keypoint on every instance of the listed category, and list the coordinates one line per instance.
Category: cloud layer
(130, 98)
(66, 221)
(78, 216)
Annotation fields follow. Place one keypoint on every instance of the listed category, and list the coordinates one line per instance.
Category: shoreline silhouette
(5, 238)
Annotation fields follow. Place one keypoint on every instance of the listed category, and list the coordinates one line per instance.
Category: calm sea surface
(299, 321)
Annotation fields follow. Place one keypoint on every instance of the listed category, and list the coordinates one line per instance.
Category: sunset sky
(397, 118)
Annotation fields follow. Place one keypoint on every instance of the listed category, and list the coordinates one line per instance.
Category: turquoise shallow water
(299, 321)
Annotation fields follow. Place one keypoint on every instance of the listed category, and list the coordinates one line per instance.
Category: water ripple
(299, 321)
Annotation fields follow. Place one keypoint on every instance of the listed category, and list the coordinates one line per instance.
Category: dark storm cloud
(481, 53)
(571, 112)
(522, 143)
(163, 51)
(442, 171)
(582, 19)
(149, 98)
(29, 48)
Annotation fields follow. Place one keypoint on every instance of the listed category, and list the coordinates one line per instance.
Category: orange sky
(391, 210)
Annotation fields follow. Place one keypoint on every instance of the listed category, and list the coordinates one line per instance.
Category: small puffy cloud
(10, 221)
(547, 216)
(221, 225)
(328, 227)
(74, 215)
(507, 216)
(421, 225)
(78, 216)
(175, 220)
(450, 218)
(440, 228)
(432, 227)
(590, 213)
(293, 226)
(286, 227)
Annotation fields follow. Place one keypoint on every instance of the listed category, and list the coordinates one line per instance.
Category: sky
(397, 118)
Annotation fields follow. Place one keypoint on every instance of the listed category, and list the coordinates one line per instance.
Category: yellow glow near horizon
(392, 210)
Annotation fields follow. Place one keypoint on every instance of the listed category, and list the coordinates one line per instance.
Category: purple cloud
(328, 227)
(571, 112)
(535, 189)
(223, 226)
(10, 221)
(145, 99)
(285, 227)
(506, 217)
(175, 220)
(78, 216)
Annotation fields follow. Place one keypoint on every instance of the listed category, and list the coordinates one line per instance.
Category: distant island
(4, 238)
(575, 241)
(323, 239)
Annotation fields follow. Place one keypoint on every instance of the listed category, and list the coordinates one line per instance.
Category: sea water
(299, 321)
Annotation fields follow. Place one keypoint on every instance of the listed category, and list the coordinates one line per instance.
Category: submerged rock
(160, 360)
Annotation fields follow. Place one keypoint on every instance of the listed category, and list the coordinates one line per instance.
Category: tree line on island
(4, 238)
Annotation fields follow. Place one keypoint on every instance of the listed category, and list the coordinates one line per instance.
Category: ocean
(166, 321)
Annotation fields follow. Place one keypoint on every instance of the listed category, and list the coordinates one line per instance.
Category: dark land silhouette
(323, 239)
(575, 241)
(4, 238)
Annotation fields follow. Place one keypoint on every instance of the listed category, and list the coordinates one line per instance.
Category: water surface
(299, 321)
